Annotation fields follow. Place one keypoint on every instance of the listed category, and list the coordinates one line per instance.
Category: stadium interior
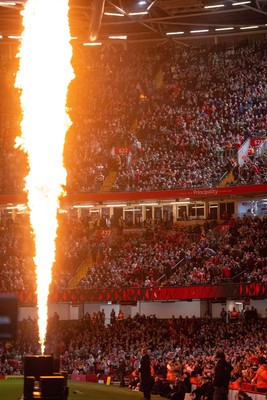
(163, 221)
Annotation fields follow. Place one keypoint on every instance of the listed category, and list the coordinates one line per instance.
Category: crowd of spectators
(177, 347)
(102, 102)
(252, 172)
(158, 254)
(182, 132)
(191, 128)
(17, 270)
(183, 256)
(16, 256)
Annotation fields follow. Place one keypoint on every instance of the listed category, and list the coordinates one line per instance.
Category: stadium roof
(151, 20)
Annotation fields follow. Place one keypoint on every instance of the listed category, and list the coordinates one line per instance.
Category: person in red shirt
(120, 315)
(234, 313)
(260, 378)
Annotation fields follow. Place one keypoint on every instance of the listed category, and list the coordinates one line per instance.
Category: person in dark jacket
(222, 376)
(204, 390)
(145, 371)
(158, 387)
(179, 389)
(187, 382)
(122, 371)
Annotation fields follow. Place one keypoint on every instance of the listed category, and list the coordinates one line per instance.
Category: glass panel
(182, 213)
(213, 212)
(157, 213)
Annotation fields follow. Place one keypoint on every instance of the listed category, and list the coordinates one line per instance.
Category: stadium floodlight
(14, 37)
(249, 27)
(138, 13)
(199, 31)
(92, 44)
(214, 6)
(112, 14)
(7, 3)
(224, 29)
(241, 3)
(150, 5)
(119, 37)
(175, 33)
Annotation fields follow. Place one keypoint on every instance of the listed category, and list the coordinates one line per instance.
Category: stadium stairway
(81, 272)
(110, 179)
(108, 182)
(158, 79)
(227, 179)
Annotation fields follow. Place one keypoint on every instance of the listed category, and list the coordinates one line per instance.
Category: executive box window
(196, 211)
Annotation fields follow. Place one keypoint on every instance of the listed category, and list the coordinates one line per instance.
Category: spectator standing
(222, 375)
(145, 372)
(112, 316)
(223, 314)
(122, 371)
(234, 314)
(120, 315)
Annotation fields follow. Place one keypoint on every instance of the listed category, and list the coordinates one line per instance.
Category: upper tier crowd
(162, 117)
(192, 126)
(157, 254)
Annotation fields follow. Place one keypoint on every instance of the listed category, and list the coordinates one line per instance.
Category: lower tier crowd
(179, 349)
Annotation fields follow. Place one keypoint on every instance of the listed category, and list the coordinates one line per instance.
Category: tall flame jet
(43, 77)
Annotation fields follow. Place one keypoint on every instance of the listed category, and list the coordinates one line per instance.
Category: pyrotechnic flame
(43, 76)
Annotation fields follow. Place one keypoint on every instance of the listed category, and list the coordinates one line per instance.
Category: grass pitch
(13, 390)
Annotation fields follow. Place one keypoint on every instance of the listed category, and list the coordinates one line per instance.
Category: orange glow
(43, 78)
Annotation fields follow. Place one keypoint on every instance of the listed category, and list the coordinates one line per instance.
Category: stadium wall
(162, 310)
